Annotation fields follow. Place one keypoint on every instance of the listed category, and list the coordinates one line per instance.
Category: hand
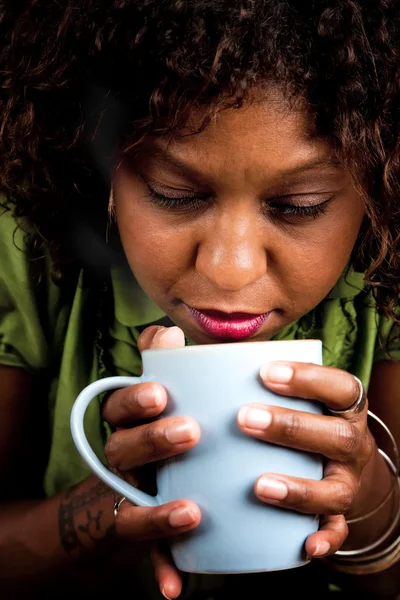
(345, 442)
(131, 447)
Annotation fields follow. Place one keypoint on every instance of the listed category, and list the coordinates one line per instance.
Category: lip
(229, 326)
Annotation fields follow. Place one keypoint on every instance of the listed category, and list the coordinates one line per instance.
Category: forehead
(262, 114)
(266, 134)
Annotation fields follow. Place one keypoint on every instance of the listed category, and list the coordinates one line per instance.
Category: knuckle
(305, 496)
(125, 401)
(346, 437)
(344, 498)
(368, 446)
(151, 442)
(154, 523)
(293, 427)
(111, 450)
(117, 408)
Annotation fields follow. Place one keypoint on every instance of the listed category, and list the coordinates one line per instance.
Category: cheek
(308, 266)
(156, 251)
(157, 254)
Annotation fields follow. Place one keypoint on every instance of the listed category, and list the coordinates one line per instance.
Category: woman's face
(239, 230)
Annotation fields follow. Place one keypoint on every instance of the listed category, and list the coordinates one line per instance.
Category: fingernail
(322, 549)
(271, 488)
(180, 517)
(149, 397)
(172, 336)
(179, 434)
(164, 594)
(254, 418)
(276, 373)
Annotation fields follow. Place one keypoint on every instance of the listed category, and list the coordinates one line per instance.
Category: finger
(329, 538)
(139, 523)
(129, 448)
(334, 437)
(136, 402)
(335, 494)
(334, 387)
(167, 575)
(161, 337)
(145, 400)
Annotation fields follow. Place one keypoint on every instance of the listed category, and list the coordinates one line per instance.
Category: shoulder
(24, 302)
(376, 332)
(20, 270)
(12, 243)
(388, 339)
(353, 332)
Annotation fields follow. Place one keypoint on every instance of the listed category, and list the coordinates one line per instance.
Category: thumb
(157, 336)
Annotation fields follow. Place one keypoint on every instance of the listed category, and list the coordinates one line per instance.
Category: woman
(232, 172)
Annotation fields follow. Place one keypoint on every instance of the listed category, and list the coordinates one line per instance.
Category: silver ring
(357, 407)
(117, 506)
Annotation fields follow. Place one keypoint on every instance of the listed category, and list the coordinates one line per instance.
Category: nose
(232, 254)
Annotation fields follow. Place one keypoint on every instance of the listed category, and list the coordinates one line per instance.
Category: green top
(73, 337)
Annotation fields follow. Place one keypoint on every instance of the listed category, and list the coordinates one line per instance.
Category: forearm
(52, 538)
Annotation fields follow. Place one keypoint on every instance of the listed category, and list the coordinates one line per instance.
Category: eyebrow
(180, 165)
(325, 163)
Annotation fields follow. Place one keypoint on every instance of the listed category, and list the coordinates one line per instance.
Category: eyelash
(184, 202)
(188, 203)
(293, 210)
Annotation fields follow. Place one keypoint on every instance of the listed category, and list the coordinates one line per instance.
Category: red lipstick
(229, 326)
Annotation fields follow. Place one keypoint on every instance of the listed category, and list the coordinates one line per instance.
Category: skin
(233, 253)
(230, 245)
(236, 250)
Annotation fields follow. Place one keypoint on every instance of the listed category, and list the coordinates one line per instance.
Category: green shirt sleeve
(22, 340)
(388, 340)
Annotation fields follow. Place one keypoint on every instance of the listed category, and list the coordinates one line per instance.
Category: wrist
(377, 481)
(383, 552)
(86, 519)
(376, 505)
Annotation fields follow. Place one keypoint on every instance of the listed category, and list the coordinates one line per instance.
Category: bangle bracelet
(394, 466)
(367, 565)
(379, 541)
(389, 495)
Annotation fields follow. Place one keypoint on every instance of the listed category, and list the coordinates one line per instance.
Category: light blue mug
(238, 533)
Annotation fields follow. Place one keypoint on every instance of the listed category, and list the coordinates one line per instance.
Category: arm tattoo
(80, 524)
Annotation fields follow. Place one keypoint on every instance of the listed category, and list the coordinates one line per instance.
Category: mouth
(229, 326)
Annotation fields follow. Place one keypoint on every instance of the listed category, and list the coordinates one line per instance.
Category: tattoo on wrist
(81, 524)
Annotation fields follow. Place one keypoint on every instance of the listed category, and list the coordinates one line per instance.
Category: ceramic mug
(238, 533)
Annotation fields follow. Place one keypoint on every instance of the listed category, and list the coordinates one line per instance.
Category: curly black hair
(156, 60)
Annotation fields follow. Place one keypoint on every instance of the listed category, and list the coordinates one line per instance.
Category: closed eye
(178, 202)
(290, 206)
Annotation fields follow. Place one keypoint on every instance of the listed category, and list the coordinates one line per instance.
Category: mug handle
(78, 434)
